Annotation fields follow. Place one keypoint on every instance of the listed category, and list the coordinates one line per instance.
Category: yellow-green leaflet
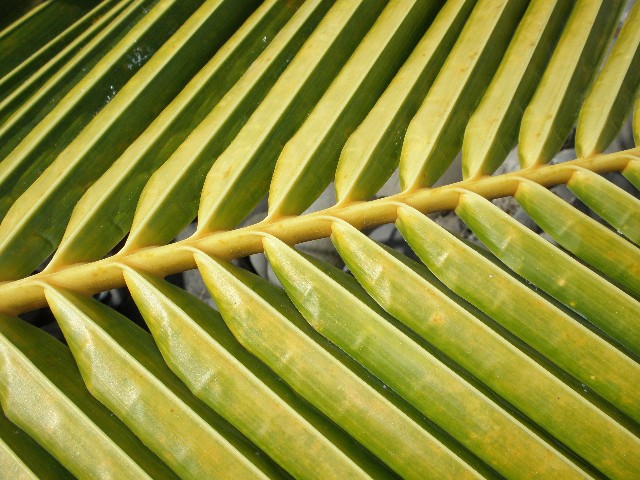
(435, 133)
(308, 161)
(88, 236)
(41, 391)
(169, 201)
(555, 272)
(617, 258)
(548, 119)
(610, 100)
(155, 151)
(416, 374)
(36, 30)
(620, 209)
(17, 14)
(372, 152)
(632, 171)
(199, 348)
(12, 467)
(415, 297)
(35, 70)
(250, 158)
(51, 118)
(492, 130)
(636, 122)
(21, 458)
(114, 355)
(265, 322)
(110, 132)
(543, 326)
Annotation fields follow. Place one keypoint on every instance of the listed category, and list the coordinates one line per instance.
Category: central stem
(28, 293)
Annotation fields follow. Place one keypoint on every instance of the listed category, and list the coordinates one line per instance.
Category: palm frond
(504, 354)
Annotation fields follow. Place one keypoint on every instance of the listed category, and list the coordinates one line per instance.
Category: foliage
(122, 121)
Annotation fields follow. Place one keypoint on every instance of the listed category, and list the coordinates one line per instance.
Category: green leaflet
(169, 201)
(555, 272)
(606, 251)
(548, 119)
(636, 122)
(435, 134)
(42, 392)
(492, 130)
(199, 348)
(610, 100)
(250, 158)
(36, 29)
(14, 14)
(88, 236)
(412, 295)
(535, 375)
(308, 161)
(264, 321)
(34, 224)
(51, 118)
(553, 333)
(372, 152)
(21, 458)
(620, 209)
(28, 96)
(54, 54)
(13, 468)
(477, 422)
(123, 369)
(632, 171)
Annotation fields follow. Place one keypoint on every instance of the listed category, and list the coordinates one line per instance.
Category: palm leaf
(503, 354)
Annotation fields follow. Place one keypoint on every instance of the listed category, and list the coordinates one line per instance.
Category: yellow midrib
(27, 294)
